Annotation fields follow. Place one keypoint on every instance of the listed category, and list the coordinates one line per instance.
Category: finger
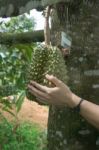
(39, 86)
(36, 92)
(54, 80)
(41, 101)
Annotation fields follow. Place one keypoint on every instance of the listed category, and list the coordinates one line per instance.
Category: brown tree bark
(67, 130)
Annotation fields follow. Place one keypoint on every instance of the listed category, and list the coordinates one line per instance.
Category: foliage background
(13, 64)
(14, 58)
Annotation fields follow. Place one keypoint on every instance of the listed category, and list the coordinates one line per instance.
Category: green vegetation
(18, 24)
(13, 61)
(26, 137)
(14, 58)
(15, 135)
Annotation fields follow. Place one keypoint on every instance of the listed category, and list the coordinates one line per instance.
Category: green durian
(45, 60)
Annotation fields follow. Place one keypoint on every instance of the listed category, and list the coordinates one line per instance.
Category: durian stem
(47, 28)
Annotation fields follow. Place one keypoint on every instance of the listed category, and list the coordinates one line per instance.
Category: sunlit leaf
(20, 101)
(9, 111)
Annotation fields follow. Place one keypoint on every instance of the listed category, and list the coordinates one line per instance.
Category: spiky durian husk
(56, 64)
(46, 60)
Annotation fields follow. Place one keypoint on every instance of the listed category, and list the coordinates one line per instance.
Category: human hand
(60, 95)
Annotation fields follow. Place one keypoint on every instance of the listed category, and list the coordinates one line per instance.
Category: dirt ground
(32, 112)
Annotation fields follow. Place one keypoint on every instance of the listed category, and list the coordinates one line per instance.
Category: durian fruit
(45, 60)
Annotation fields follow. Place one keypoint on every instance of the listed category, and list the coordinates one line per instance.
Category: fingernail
(29, 85)
(33, 82)
(47, 75)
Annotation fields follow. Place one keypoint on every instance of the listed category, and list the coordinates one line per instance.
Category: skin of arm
(60, 95)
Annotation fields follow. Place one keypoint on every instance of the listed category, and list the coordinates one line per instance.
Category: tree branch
(27, 37)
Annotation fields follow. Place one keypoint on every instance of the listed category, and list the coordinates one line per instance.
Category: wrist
(78, 107)
(75, 100)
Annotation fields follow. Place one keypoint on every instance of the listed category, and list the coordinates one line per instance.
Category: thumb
(53, 79)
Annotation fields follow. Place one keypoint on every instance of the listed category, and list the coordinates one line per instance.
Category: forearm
(90, 112)
(61, 95)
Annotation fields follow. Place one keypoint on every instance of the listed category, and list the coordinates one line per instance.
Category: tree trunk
(26, 37)
(67, 130)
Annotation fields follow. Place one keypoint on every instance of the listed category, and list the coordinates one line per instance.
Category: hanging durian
(45, 60)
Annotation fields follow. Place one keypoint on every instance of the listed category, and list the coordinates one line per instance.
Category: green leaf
(26, 50)
(6, 103)
(10, 112)
(4, 118)
(20, 101)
